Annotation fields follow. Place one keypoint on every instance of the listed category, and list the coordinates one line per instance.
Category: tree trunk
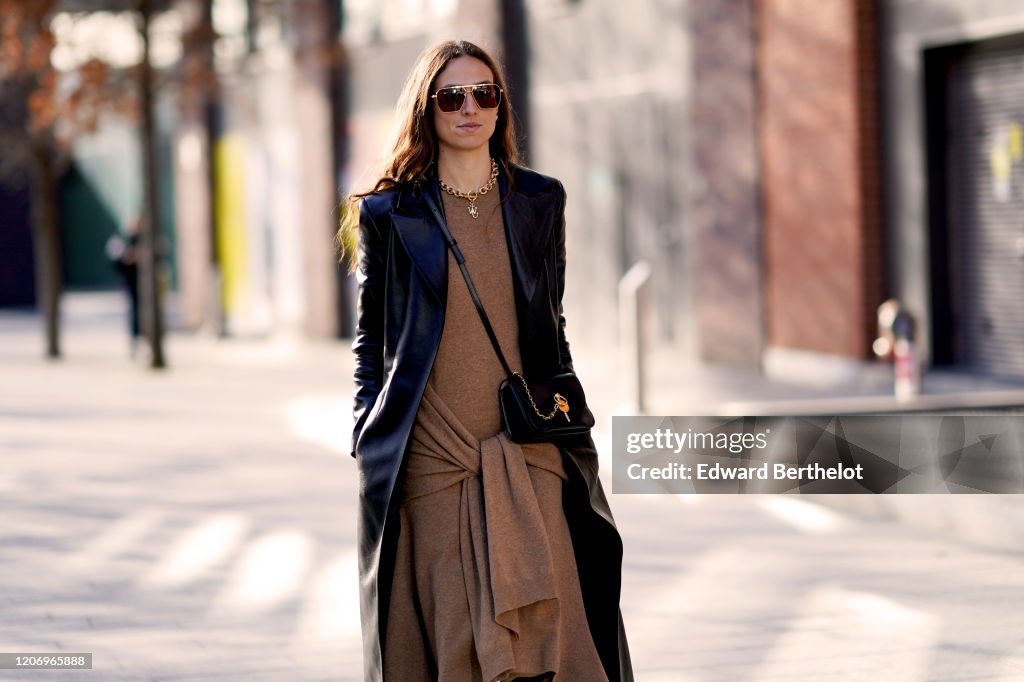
(46, 244)
(150, 293)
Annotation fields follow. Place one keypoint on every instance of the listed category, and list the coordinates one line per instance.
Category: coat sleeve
(368, 345)
(565, 357)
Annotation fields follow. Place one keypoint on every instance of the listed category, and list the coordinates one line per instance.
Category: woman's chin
(465, 146)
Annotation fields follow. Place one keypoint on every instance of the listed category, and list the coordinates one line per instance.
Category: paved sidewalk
(680, 387)
(198, 524)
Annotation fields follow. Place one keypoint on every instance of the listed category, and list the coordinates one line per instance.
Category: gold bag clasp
(562, 404)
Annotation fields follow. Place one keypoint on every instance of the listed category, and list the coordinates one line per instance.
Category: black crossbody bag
(531, 411)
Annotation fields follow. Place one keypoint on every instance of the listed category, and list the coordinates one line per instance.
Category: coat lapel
(423, 240)
(527, 233)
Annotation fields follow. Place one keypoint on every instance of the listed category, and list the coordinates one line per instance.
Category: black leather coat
(403, 282)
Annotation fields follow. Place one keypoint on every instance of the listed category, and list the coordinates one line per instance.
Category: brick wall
(819, 150)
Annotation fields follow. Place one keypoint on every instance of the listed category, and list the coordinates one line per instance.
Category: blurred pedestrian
(123, 251)
(482, 559)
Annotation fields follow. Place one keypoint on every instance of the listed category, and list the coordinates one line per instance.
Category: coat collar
(527, 231)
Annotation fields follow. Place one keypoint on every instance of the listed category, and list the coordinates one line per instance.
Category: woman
(480, 559)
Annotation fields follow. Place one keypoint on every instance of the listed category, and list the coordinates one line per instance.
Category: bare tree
(45, 110)
(42, 111)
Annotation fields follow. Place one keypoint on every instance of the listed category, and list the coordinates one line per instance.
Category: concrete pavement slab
(198, 524)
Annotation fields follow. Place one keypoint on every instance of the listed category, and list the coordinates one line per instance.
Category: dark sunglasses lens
(450, 99)
(487, 96)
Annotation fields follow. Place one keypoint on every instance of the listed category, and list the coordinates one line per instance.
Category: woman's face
(471, 127)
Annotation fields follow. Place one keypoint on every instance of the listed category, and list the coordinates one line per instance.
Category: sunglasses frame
(471, 89)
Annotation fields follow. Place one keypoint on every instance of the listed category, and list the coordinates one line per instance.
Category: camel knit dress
(485, 587)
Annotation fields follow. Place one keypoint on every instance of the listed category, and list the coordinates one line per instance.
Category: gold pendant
(473, 210)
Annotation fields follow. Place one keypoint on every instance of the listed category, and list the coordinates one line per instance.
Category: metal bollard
(632, 314)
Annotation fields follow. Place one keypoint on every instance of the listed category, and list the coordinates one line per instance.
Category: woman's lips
(470, 126)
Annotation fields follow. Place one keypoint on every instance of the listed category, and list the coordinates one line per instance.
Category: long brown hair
(414, 145)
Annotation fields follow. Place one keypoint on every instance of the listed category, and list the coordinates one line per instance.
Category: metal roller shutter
(986, 183)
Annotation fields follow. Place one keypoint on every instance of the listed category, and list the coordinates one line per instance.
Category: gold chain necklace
(471, 197)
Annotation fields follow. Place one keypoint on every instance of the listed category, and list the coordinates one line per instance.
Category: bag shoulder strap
(461, 260)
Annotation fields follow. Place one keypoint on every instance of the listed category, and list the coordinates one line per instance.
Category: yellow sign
(229, 209)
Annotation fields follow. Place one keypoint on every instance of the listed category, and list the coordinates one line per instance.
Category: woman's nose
(469, 106)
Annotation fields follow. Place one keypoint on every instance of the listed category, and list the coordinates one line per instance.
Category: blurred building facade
(955, 206)
(255, 167)
(784, 165)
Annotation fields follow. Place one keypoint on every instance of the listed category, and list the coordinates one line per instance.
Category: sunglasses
(487, 96)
